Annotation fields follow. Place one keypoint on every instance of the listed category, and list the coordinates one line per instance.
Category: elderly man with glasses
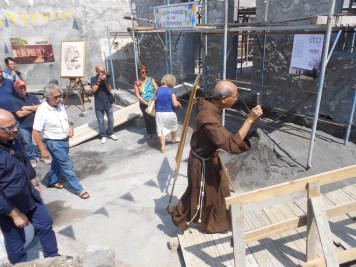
(51, 123)
(20, 196)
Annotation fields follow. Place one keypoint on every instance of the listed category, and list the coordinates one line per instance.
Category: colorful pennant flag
(6, 49)
(23, 18)
(75, 25)
(43, 16)
(11, 17)
(33, 17)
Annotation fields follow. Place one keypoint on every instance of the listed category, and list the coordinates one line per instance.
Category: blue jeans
(15, 237)
(26, 134)
(61, 164)
(101, 123)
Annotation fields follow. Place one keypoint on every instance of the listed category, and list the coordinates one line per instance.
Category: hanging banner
(306, 54)
(176, 16)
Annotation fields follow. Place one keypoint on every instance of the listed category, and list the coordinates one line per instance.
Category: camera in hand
(17, 72)
(107, 75)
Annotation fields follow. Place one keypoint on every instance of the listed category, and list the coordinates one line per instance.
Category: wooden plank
(237, 218)
(324, 231)
(293, 186)
(270, 254)
(337, 21)
(256, 248)
(89, 130)
(312, 231)
(226, 252)
(342, 257)
(287, 244)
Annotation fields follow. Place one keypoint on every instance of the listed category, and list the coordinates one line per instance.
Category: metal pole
(170, 51)
(206, 48)
(111, 65)
(321, 80)
(348, 130)
(134, 39)
(353, 41)
(225, 49)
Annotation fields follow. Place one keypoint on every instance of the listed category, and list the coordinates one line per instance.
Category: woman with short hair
(166, 118)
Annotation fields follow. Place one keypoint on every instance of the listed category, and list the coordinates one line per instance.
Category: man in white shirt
(51, 121)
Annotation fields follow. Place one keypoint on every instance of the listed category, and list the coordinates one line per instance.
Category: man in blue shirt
(24, 108)
(6, 92)
(20, 196)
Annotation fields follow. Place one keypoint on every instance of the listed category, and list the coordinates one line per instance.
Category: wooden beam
(293, 223)
(342, 257)
(238, 235)
(313, 238)
(293, 186)
(323, 227)
(89, 130)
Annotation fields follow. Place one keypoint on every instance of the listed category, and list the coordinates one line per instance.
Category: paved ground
(129, 182)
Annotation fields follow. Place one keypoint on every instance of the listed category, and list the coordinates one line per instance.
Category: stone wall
(185, 46)
(94, 19)
(283, 90)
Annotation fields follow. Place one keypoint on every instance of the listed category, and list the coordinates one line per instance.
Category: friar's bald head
(225, 94)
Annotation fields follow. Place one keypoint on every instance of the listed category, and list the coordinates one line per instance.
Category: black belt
(65, 139)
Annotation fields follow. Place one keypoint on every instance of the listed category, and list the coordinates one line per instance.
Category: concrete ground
(129, 183)
(130, 180)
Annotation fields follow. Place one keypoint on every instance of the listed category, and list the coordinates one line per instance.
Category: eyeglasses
(11, 128)
(56, 97)
(143, 71)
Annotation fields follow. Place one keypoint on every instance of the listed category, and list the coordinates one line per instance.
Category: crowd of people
(48, 125)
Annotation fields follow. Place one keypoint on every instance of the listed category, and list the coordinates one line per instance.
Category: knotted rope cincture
(201, 189)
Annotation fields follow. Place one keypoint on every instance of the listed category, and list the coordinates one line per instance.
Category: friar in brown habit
(204, 199)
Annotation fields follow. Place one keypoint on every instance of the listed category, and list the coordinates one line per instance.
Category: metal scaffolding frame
(261, 28)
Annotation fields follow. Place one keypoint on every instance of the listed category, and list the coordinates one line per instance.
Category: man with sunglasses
(51, 123)
(20, 196)
(24, 107)
(102, 92)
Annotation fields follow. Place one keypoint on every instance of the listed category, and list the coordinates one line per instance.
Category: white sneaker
(33, 163)
(103, 140)
(113, 137)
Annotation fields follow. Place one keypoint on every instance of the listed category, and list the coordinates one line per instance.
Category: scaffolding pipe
(111, 64)
(134, 39)
(353, 41)
(205, 70)
(225, 49)
(348, 130)
(321, 81)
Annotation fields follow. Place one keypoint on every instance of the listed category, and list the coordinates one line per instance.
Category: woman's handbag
(151, 108)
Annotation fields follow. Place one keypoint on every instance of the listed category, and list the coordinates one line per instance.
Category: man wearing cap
(24, 107)
(6, 92)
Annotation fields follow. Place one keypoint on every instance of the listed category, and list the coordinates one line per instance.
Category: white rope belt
(201, 189)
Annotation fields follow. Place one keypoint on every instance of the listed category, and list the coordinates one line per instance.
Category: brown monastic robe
(208, 137)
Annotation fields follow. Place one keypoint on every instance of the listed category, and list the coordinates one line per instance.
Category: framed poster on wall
(72, 59)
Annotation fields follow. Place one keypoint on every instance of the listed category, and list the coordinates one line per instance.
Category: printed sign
(306, 55)
(176, 16)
